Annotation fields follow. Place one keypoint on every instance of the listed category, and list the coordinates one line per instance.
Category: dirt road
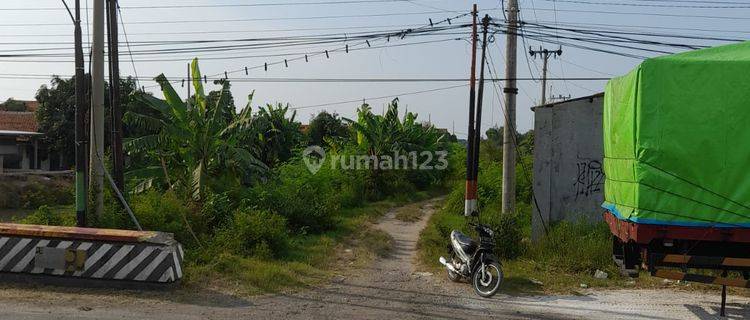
(391, 288)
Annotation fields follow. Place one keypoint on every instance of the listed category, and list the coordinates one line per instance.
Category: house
(21, 145)
(568, 155)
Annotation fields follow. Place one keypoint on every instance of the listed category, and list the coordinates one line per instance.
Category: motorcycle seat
(463, 239)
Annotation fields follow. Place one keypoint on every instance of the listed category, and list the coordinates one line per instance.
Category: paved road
(391, 288)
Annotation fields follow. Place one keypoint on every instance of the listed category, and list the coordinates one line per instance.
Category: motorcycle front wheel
(487, 283)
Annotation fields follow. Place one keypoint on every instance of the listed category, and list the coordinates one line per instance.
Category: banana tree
(197, 142)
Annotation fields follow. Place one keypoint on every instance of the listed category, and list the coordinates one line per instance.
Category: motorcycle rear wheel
(486, 285)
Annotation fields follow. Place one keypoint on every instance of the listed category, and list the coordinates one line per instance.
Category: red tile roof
(18, 121)
(31, 105)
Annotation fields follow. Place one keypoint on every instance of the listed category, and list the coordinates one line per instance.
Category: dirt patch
(413, 212)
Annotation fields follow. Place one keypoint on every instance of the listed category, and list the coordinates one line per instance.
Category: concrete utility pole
(97, 108)
(80, 116)
(470, 196)
(114, 95)
(545, 54)
(509, 130)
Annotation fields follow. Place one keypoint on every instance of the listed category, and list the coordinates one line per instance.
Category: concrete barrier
(89, 253)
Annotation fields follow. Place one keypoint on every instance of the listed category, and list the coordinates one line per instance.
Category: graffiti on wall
(590, 178)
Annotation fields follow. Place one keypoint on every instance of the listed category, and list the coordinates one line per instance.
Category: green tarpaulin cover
(677, 139)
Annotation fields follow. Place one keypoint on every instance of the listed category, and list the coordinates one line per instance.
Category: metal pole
(80, 133)
(97, 106)
(114, 95)
(723, 296)
(544, 78)
(480, 98)
(470, 200)
(510, 90)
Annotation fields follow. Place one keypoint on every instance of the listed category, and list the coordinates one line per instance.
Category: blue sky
(449, 59)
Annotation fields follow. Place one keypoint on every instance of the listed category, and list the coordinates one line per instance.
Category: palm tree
(197, 141)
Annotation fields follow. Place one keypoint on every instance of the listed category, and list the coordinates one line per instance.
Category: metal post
(510, 90)
(470, 203)
(80, 134)
(114, 95)
(97, 107)
(544, 79)
(480, 98)
(723, 296)
(723, 300)
(36, 153)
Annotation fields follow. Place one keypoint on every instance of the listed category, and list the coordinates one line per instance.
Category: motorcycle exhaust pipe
(448, 265)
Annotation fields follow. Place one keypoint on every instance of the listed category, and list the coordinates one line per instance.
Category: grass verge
(311, 258)
(563, 262)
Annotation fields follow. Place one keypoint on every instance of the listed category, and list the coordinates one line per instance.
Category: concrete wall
(568, 152)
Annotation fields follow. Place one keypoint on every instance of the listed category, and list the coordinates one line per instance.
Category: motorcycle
(474, 261)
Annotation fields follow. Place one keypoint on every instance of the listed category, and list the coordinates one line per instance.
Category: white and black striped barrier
(88, 253)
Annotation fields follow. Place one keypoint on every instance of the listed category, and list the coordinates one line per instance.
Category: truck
(677, 165)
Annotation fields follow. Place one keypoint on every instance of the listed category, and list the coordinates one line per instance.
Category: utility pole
(80, 116)
(509, 130)
(114, 95)
(545, 54)
(97, 108)
(470, 197)
(480, 98)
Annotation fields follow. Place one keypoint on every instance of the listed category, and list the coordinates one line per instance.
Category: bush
(579, 247)
(308, 201)
(162, 212)
(30, 192)
(254, 233)
(216, 210)
(46, 216)
(508, 232)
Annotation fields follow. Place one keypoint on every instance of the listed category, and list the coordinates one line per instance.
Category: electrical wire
(202, 21)
(379, 98)
(653, 5)
(195, 6)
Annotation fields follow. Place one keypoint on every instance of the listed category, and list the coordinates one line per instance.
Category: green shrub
(253, 232)
(47, 216)
(508, 232)
(162, 212)
(216, 210)
(579, 247)
(308, 201)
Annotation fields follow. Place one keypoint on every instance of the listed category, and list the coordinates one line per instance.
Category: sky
(443, 103)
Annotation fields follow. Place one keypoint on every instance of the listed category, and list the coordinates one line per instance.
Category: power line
(404, 26)
(378, 98)
(325, 80)
(127, 43)
(201, 21)
(647, 14)
(257, 42)
(195, 6)
(309, 54)
(647, 27)
(653, 5)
